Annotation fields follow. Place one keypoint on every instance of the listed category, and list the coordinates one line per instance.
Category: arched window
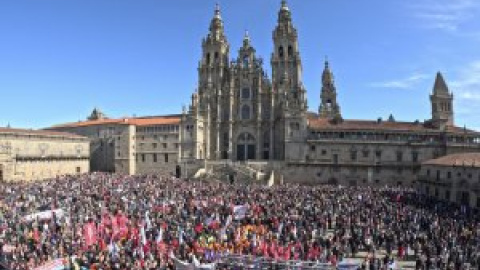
(245, 112)
(225, 139)
(280, 51)
(266, 139)
(245, 138)
(216, 56)
(245, 61)
(245, 93)
(208, 58)
(266, 145)
(290, 51)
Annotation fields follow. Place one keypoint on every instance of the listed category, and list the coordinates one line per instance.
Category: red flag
(36, 235)
(273, 250)
(199, 228)
(162, 247)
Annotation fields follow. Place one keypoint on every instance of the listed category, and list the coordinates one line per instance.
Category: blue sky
(59, 59)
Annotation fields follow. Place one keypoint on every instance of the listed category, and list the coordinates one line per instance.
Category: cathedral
(237, 112)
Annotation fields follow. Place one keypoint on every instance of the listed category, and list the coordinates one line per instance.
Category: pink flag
(90, 234)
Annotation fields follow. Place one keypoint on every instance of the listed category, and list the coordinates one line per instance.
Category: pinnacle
(217, 11)
(440, 87)
(246, 36)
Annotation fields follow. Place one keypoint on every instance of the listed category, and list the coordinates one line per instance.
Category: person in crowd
(111, 221)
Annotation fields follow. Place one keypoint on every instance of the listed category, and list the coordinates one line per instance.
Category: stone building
(129, 145)
(454, 177)
(27, 155)
(237, 113)
(241, 119)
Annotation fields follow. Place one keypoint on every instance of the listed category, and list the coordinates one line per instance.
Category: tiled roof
(141, 121)
(362, 125)
(463, 159)
(38, 132)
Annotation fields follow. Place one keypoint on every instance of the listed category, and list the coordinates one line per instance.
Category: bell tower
(289, 98)
(215, 53)
(213, 74)
(329, 107)
(442, 103)
(286, 62)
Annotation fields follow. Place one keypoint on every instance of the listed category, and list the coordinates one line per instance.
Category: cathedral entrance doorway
(463, 197)
(245, 147)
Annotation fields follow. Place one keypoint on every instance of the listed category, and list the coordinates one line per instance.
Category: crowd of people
(108, 221)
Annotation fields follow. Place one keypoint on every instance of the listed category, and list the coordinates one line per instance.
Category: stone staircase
(242, 172)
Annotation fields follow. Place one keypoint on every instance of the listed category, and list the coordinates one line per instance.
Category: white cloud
(446, 15)
(404, 83)
(467, 85)
(466, 91)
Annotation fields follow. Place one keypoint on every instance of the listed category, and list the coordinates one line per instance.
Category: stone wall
(459, 184)
(125, 150)
(29, 157)
(157, 149)
(102, 144)
(346, 175)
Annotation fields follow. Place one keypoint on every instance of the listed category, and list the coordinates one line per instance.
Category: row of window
(281, 51)
(155, 145)
(366, 154)
(157, 137)
(391, 137)
(377, 170)
(155, 157)
(161, 128)
(449, 174)
(462, 197)
(442, 106)
(208, 60)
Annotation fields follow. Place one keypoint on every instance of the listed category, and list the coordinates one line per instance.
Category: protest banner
(44, 215)
(8, 248)
(239, 211)
(58, 264)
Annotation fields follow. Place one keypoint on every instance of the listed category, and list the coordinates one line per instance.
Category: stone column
(207, 131)
(218, 148)
(230, 126)
(259, 125)
(180, 138)
(272, 117)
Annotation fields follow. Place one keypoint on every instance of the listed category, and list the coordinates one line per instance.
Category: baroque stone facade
(237, 113)
(27, 155)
